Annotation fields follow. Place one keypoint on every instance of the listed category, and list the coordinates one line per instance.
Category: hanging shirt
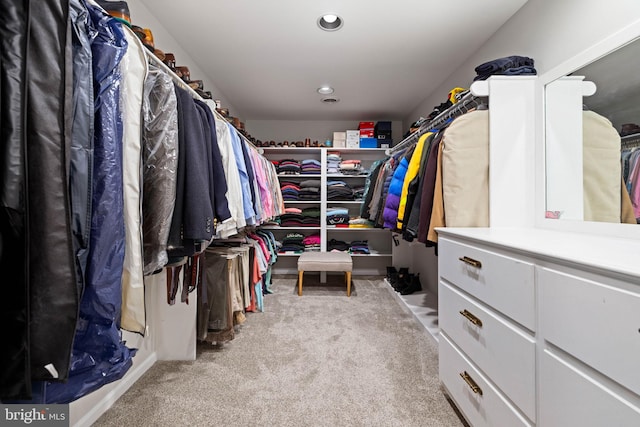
(245, 186)
(234, 193)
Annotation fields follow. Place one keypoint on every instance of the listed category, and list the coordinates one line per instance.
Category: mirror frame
(614, 42)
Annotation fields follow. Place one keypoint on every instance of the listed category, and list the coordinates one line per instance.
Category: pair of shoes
(401, 279)
(414, 285)
(392, 274)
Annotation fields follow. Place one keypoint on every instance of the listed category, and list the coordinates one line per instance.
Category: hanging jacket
(134, 70)
(51, 268)
(428, 188)
(15, 377)
(369, 187)
(392, 201)
(160, 164)
(81, 154)
(192, 221)
(465, 171)
(100, 356)
(376, 207)
(412, 171)
(217, 178)
(411, 230)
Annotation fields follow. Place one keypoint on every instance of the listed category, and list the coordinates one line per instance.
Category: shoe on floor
(414, 286)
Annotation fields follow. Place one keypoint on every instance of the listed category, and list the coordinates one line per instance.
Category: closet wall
(143, 17)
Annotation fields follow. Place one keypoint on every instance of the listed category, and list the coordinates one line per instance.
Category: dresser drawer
(503, 352)
(483, 407)
(569, 397)
(504, 283)
(596, 322)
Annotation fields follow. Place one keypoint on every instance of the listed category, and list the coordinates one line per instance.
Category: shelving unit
(379, 240)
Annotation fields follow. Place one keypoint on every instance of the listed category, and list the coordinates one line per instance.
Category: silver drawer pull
(471, 261)
(471, 318)
(471, 383)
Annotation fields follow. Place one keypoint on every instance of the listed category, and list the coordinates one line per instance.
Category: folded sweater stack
(339, 190)
(333, 162)
(310, 167)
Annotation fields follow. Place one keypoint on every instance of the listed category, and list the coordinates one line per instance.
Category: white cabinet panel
(596, 322)
(569, 397)
(504, 283)
(504, 353)
(485, 406)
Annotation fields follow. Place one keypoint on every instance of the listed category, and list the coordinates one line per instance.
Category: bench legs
(300, 275)
(347, 278)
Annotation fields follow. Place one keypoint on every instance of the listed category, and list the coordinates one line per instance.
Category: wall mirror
(592, 141)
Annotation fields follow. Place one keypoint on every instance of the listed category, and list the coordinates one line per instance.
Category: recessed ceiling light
(325, 90)
(330, 99)
(330, 22)
(330, 18)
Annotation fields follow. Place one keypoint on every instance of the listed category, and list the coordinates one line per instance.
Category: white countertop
(611, 254)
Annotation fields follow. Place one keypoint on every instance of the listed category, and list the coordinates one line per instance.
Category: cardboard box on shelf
(353, 138)
(383, 126)
(340, 139)
(368, 143)
(384, 143)
(365, 125)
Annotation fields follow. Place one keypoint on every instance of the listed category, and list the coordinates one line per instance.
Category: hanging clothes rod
(156, 61)
(465, 103)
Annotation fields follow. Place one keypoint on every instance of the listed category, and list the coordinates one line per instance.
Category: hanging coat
(216, 171)
(392, 202)
(50, 263)
(81, 154)
(134, 70)
(412, 171)
(192, 221)
(160, 164)
(15, 377)
(411, 231)
(99, 355)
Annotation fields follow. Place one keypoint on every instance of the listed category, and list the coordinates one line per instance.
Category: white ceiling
(269, 57)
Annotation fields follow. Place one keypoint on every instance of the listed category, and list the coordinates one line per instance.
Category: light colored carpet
(318, 360)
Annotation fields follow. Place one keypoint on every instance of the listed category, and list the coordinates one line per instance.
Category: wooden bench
(325, 261)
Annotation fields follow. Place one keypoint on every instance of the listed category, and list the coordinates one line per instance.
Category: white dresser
(540, 327)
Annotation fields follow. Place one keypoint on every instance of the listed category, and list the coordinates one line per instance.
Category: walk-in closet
(458, 184)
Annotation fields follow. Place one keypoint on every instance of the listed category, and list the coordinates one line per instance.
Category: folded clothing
(337, 210)
(337, 219)
(292, 242)
(288, 166)
(508, 65)
(339, 190)
(312, 183)
(337, 245)
(360, 223)
(312, 239)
